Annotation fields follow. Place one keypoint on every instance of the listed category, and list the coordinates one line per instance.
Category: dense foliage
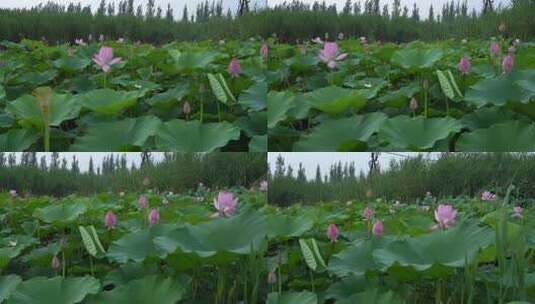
(292, 20)
(177, 172)
(407, 179)
(114, 96)
(111, 249)
(467, 96)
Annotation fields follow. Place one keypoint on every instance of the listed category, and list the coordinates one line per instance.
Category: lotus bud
(234, 67)
(165, 202)
(367, 213)
(378, 228)
(154, 216)
(225, 203)
(43, 96)
(13, 193)
(518, 211)
(425, 84)
(488, 196)
(502, 27)
(186, 108)
(143, 202)
(340, 36)
(464, 65)
(272, 277)
(413, 104)
(110, 220)
(332, 232)
(495, 49)
(264, 50)
(55, 262)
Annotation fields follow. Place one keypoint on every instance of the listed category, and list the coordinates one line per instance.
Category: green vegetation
(408, 179)
(178, 172)
(295, 20)
(110, 248)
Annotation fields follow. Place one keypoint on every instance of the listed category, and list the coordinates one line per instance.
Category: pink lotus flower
(413, 104)
(512, 50)
(318, 40)
(264, 186)
(264, 50)
(55, 264)
(329, 54)
(234, 67)
(518, 211)
(367, 213)
(104, 58)
(488, 196)
(378, 228)
(332, 232)
(143, 202)
(226, 203)
(110, 220)
(445, 216)
(464, 65)
(154, 216)
(508, 63)
(495, 49)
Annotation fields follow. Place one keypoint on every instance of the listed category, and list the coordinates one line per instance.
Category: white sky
(325, 159)
(178, 5)
(83, 157)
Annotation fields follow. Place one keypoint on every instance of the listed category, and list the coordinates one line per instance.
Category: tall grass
(290, 22)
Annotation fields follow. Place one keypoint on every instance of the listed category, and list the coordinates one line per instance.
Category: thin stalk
(219, 111)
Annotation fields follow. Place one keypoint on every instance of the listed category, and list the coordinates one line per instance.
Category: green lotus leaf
(498, 91)
(401, 97)
(346, 287)
(418, 133)
(124, 135)
(278, 104)
(483, 118)
(373, 296)
(255, 97)
(303, 297)
(17, 140)
(34, 79)
(417, 57)
(138, 245)
(335, 99)
(8, 253)
(169, 98)
(109, 102)
(237, 234)
(288, 226)
(357, 259)
(258, 143)
(72, 63)
(513, 136)
(61, 108)
(190, 61)
(452, 247)
(60, 213)
(57, 290)
(148, 290)
(8, 284)
(194, 136)
(346, 134)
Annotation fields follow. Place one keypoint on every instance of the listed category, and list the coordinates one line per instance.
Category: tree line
(52, 174)
(405, 179)
(290, 21)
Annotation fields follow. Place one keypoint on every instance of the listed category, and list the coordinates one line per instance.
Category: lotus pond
(118, 96)
(443, 96)
(168, 248)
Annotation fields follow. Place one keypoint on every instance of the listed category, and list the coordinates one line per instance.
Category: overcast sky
(83, 157)
(178, 5)
(311, 159)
